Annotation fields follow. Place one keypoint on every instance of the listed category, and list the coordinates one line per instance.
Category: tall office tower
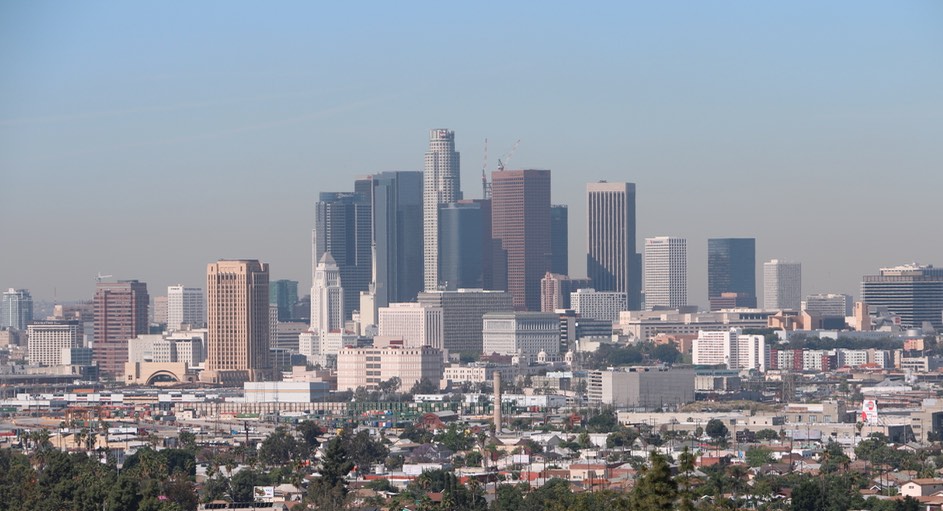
(559, 240)
(731, 268)
(185, 306)
(283, 294)
(555, 291)
(462, 311)
(343, 227)
(397, 235)
(828, 305)
(327, 297)
(782, 285)
(47, 339)
(914, 292)
(237, 343)
(441, 184)
(666, 273)
(612, 262)
(120, 314)
(460, 245)
(159, 311)
(520, 224)
(413, 323)
(16, 309)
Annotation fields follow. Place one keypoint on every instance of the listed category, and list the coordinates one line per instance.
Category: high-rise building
(159, 310)
(397, 235)
(283, 294)
(461, 254)
(186, 308)
(731, 268)
(601, 305)
(731, 348)
(559, 240)
(666, 273)
(327, 297)
(914, 292)
(16, 309)
(828, 305)
(520, 224)
(612, 262)
(343, 227)
(462, 311)
(412, 323)
(782, 285)
(555, 291)
(441, 184)
(237, 344)
(47, 339)
(120, 314)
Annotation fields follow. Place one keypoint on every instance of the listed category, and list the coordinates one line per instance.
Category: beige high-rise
(237, 300)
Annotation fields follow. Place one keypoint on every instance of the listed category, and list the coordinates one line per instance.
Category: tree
(767, 434)
(655, 489)
(310, 431)
(424, 386)
(759, 456)
(281, 447)
(666, 353)
(716, 429)
(186, 439)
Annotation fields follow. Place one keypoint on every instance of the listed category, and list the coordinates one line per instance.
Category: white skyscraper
(327, 297)
(185, 306)
(782, 285)
(666, 272)
(441, 184)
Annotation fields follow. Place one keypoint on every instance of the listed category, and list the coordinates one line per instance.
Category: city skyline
(685, 103)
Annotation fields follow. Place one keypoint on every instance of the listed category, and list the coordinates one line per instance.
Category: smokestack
(497, 402)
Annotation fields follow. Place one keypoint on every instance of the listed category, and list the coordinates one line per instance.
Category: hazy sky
(146, 140)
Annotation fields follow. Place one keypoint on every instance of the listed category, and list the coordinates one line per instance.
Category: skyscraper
(731, 268)
(666, 272)
(441, 184)
(397, 235)
(327, 297)
(559, 240)
(520, 223)
(185, 306)
(461, 253)
(16, 309)
(782, 285)
(120, 314)
(343, 227)
(283, 294)
(237, 343)
(612, 262)
(914, 292)
(47, 339)
(555, 291)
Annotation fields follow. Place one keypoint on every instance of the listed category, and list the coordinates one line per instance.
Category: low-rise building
(646, 388)
(368, 366)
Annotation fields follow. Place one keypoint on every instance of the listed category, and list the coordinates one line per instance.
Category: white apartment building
(413, 323)
(521, 333)
(185, 306)
(601, 305)
(782, 285)
(48, 338)
(368, 366)
(731, 348)
(666, 272)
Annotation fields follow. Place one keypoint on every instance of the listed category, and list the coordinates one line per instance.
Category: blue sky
(146, 140)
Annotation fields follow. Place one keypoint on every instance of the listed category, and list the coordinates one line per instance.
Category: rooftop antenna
(100, 277)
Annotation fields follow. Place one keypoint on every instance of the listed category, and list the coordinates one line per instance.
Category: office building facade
(526, 334)
(555, 291)
(47, 339)
(461, 253)
(830, 305)
(412, 323)
(914, 292)
(120, 314)
(782, 285)
(397, 235)
(186, 308)
(666, 273)
(343, 228)
(641, 388)
(283, 294)
(731, 268)
(238, 323)
(520, 225)
(441, 184)
(731, 348)
(369, 366)
(559, 239)
(462, 313)
(612, 262)
(601, 305)
(16, 309)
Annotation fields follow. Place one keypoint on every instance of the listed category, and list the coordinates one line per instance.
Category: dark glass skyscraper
(283, 294)
(397, 232)
(342, 226)
(461, 254)
(559, 240)
(612, 262)
(731, 268)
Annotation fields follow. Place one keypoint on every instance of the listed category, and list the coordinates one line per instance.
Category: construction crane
(485, 185)
(100, 277)
(502, 161)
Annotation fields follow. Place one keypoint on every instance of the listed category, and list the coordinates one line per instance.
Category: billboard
(263, 493)
(869, 411)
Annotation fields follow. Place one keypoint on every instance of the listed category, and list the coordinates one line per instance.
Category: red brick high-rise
(520, 226)
(120, 314)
